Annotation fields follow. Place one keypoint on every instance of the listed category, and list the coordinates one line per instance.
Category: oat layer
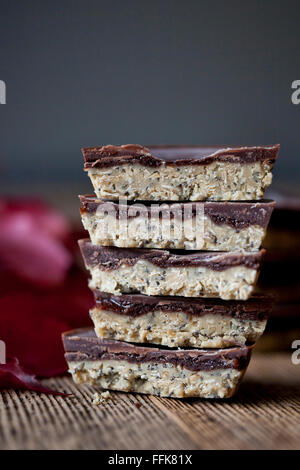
(139, 233)
(145, 278)
(218, 181)
(165, 380)
(177, 329)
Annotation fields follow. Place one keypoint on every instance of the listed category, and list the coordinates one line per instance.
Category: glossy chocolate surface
(111, 258)
(257, 307)
(155, 155)
(83, 345)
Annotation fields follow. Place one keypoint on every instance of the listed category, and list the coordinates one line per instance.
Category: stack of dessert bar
(174, 254)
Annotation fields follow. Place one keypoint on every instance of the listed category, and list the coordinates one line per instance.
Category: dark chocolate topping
(83, 345)
(155, 156)
(111, 258)
(238, 215)
(257, 307)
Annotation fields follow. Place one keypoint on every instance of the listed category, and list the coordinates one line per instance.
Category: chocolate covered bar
(215, 226)
(116, 365)
(179, 321)
(160, 272)
(178, 173)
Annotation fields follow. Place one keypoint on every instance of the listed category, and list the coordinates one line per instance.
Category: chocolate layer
(110, 258)
(238, 215)
(155, 156)
(83, 345)
(257, 307)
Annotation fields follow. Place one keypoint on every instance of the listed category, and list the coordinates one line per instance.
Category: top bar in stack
(178, 173)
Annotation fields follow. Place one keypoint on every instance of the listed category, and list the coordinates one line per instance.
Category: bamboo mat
(264, 415)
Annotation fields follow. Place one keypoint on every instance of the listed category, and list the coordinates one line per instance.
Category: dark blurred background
(82, 73)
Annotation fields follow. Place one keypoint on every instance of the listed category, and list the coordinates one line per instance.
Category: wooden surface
(264, 415)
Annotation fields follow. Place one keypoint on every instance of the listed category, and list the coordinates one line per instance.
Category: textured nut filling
(143, 233)
(176, 329)
(143, 277)
(216, 182)
(165, 380)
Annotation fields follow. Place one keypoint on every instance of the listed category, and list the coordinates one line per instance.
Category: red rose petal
(32, 254)
(12, 375)
(40, 297)
(45, 218)
(31, 323)
(32, 336)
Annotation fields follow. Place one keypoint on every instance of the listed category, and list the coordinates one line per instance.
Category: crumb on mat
(101, 397)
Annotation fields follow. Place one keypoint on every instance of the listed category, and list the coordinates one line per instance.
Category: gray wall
(88, 72)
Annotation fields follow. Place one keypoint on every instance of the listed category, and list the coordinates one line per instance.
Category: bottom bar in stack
(116, 365)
